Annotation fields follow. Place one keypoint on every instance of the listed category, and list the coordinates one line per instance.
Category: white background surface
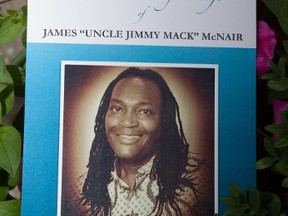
(223, 16)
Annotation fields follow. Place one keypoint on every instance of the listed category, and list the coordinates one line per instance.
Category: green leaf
(13, 180)
(269, 147)
(7, 103)
(5, 76)
(10, 149)
(282, 140)
(254, 199)
(284, 182)
(10, 208)
(20, 58)
(283, 66)
(284, 25)
(275, 128)
(24, 15)
(275, 208)
(230, 201)
(12, 12)
(24, 10)
(18, 76)
(280, 9)
(272, 202)
(270, 76)
(274, 67)
(235, 211)
(278, 85)
(265, 162)
(237, 194)
(275, 6)
(24, 38)
(6, 89)
(11, 26)
(3, 193)
(282, 166)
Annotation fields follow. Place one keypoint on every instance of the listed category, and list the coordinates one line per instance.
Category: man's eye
(116, 109)
(145, 112)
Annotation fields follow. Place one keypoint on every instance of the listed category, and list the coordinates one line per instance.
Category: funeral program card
(164, 86)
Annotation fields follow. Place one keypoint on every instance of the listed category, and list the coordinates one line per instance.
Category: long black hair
(170, 163)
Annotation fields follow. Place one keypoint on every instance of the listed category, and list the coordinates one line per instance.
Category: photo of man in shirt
(140, 163)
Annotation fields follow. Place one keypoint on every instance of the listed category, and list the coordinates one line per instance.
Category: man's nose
(129, 119)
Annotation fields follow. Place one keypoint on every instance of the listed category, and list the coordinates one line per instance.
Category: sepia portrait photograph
(138, 139)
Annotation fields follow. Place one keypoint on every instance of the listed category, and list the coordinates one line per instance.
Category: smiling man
(133, 123)
(139, 162)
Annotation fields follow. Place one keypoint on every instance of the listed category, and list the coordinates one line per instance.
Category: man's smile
(128, 136)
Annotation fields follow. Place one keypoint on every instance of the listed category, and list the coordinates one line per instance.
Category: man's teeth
(129, 136)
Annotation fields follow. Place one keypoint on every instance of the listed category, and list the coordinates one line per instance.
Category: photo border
(146, 65)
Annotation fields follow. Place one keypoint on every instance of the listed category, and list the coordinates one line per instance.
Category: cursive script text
(161, 6)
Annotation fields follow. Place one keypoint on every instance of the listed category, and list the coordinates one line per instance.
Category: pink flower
(278, 107)
(266, 43)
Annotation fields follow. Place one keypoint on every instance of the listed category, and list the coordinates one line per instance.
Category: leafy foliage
(251, 203)
(10, 208)
(11, 85)
(275, 144)
(12, 24)
(280, 9)
(277, 78)
(277, 81)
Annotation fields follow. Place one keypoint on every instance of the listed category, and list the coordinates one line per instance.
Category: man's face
(133, 120)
